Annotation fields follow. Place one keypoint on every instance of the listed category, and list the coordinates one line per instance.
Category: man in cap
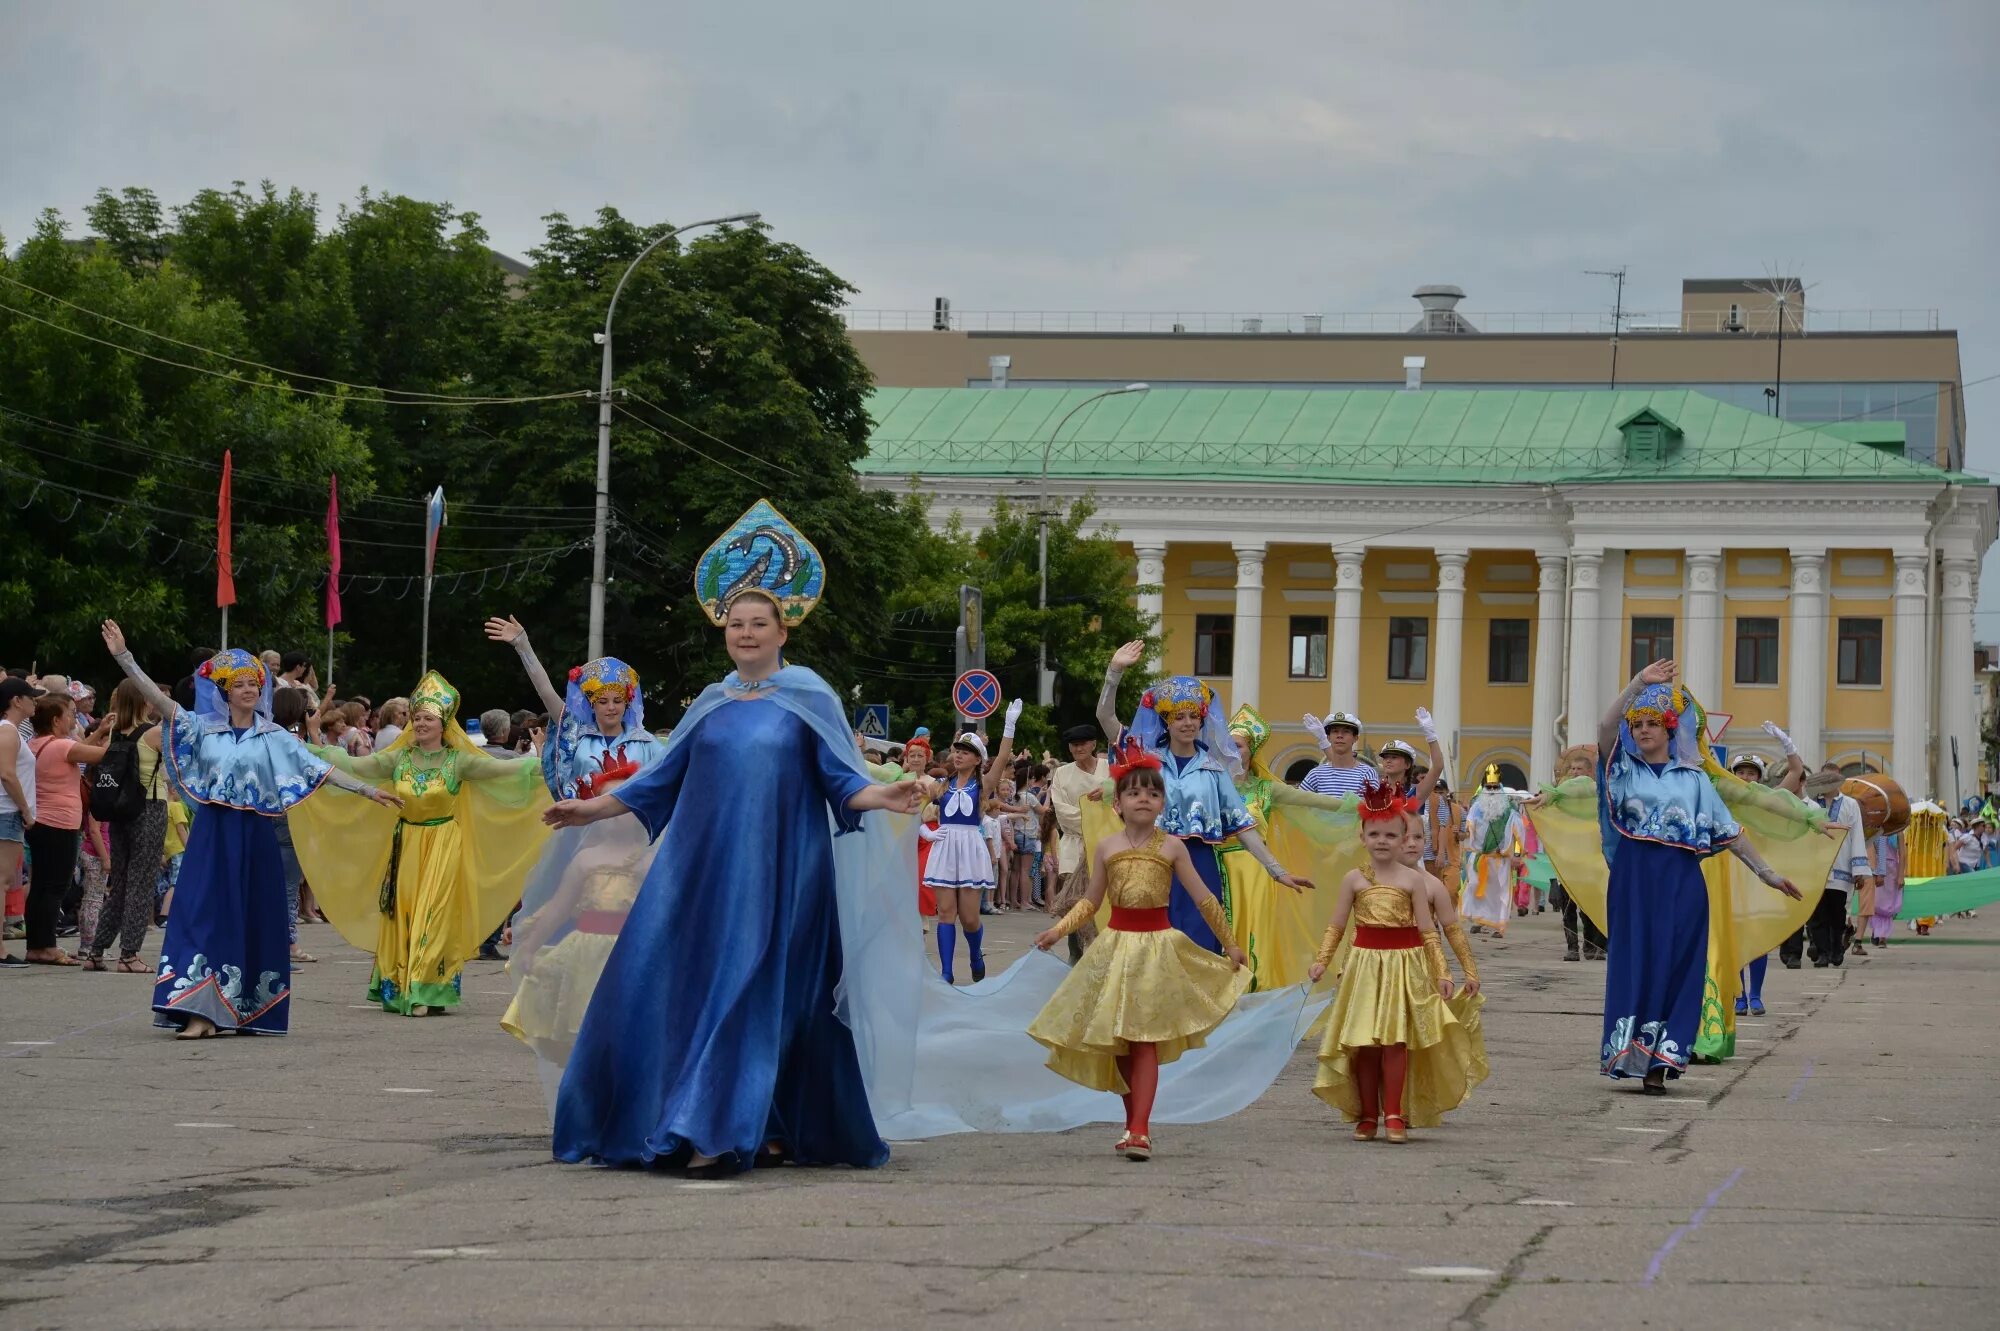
(1072, 784)
(1340, 773)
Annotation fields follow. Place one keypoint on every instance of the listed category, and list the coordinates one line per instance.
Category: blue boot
(947, 939)
(974, 938)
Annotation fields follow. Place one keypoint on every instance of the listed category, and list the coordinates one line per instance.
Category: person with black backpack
(128, 795)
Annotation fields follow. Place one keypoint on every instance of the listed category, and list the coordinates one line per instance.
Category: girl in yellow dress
(1393, 1051)
(1466, 1004)
(421, 890)
(1144, 993)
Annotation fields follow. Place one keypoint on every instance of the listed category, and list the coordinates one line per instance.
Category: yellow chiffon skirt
(1156, 987)
(1387, 998)
(1280, 928)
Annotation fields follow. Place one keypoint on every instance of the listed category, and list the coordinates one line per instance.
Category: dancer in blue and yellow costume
(1677, 934)
(1179, 721)
(225, 964)
(1280, 929)
(422, 889)
(578, 894)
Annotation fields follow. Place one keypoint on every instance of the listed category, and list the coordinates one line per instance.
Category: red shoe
(1364, 1130)
(1140, 1148)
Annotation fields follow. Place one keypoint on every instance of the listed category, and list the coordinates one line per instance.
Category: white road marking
(406, 1090)
(1452, 1272)
(204, 1125)
(454, 1252)
(1661, 1131)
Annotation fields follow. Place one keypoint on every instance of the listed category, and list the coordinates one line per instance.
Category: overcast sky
(1304, 155)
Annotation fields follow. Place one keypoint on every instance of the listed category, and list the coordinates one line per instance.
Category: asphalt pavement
(370, 1170)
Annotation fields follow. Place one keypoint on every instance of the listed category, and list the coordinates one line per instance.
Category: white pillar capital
(1347, 568)
(1808, 571)
(1250, 565)
(1554, 572)
(1451, 569)
(1589, 566)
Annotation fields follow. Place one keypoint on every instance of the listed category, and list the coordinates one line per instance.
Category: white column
(1447, 653)
(1806, 678)
(1249, 626)
(1909, 679)
(1152, 573)
(1344, 675)
(1701, 613)
(1548, 667)
(1585, 702)
(1957, 716)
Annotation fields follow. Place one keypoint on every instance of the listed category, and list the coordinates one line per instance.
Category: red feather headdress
(1380, 803)
(1130, 756)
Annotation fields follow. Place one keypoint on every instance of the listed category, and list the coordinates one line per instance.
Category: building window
(1756, 651)
(1214, 644)
(1507, 651)
(1652, 640)
(1308, 657)
(1860, 651)
(1409, 644)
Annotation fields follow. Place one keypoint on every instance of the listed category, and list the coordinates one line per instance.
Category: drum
(1885, 809)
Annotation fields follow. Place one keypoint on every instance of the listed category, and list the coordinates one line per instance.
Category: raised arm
(1659, 672)
(509, 631)
(1794, 779)
(1107, 701)
(1428, 781)
(1003, 757)
(114, 642)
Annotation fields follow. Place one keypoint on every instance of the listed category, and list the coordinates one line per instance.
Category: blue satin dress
(713, 1027)
(1204, 809)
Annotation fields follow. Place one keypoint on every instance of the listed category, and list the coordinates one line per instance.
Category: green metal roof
(1365, 437)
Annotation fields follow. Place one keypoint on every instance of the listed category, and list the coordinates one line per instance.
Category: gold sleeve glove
(1434, 954)
(1461, 947)
(1328, 946)
(1079, 915)
(1217, 920)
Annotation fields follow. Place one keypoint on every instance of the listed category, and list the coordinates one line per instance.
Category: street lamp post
(1044, 683)
(597, 552)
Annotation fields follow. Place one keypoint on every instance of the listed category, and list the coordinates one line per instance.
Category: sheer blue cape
(938, 1059)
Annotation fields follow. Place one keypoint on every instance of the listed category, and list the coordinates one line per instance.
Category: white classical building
(1508, 558)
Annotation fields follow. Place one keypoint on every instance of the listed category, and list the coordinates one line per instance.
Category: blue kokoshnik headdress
(213, 677)
(588, 680)
(761, 552)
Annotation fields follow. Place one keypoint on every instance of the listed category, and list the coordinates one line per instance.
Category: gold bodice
(1139, 879)
(1387, 907)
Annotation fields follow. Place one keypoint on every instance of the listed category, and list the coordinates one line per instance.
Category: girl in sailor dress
(960, 866)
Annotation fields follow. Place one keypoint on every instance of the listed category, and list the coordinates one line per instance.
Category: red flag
(225, 571)
(332, 551)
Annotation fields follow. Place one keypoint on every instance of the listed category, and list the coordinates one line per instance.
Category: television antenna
(1781, 289)
(1617, 275)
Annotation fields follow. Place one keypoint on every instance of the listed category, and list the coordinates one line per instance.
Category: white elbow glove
(1316, 729)
(1771, 728)
(1428, 726)
(1013, 715)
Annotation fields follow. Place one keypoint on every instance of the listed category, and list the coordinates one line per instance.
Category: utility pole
(1617, 275)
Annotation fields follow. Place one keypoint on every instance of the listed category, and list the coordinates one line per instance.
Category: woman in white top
(17, 785)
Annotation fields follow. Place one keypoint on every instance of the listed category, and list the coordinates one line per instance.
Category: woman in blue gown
(712, 1038)
(1659, 816)
(225, 964)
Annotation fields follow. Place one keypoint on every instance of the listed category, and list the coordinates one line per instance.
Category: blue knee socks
(947, 935)
(974, 942)
(1756, 971)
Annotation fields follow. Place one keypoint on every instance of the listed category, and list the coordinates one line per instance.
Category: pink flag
(225, 568)
(332, 551)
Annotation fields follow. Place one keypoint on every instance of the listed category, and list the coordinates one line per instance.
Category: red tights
(1379, 1073)
(1141, 1070)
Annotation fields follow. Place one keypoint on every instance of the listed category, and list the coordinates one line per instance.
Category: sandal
(301, 957)
(61, 958)
(1140, 1148)
(1124, 1142)
(132, 965)
(93, 962)
(1395, 1129)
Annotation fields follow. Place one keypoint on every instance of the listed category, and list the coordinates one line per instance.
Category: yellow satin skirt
(1387, 998)
(424, 943)
(1157, 987)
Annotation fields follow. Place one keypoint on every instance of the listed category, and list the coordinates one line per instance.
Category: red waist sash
(600, 921)
(1387, 938)
(1139, 919)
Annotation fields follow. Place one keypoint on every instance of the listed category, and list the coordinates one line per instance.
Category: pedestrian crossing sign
(873, 721)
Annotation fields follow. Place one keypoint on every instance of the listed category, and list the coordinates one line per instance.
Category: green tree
(1090, 613)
